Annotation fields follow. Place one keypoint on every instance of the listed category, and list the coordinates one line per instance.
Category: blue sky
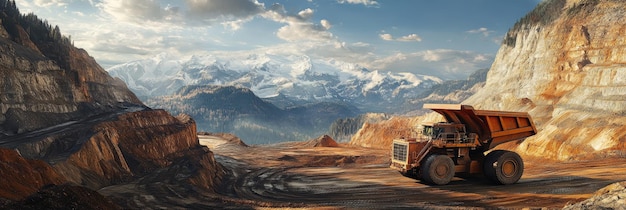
(445, 38)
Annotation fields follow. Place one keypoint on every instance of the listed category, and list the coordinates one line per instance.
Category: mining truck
(457, 147)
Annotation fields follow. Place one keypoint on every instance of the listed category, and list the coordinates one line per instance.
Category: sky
(445, 38)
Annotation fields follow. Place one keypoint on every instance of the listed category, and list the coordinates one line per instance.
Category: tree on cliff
(47, 39)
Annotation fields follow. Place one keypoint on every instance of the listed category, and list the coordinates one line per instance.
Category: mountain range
(238, 110)
(284, 79)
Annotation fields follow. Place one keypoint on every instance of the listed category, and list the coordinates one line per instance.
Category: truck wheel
(503, 167)
(437, 169)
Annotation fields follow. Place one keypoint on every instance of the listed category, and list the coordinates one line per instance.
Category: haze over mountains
(294, 79)
(237, 110)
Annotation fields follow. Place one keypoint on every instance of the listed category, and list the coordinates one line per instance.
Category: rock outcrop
(20, 177)
(49, 79)
(322, 141)
(609, 197)
(343, 129)
(565, 63)
(81, 126)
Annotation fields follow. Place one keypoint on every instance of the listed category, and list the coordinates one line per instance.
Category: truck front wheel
(437, 169)
(503, 167)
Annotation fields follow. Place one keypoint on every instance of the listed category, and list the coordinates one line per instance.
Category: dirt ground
(292, 176)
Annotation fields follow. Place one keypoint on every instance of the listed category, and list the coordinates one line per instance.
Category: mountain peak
(296, 77)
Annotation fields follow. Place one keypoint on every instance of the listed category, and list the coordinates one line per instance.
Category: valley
(295, 176)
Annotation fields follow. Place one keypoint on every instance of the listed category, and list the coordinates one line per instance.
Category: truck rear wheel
(437, 169)
(503, 167)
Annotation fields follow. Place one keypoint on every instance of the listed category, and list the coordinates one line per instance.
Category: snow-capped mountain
(294, 77)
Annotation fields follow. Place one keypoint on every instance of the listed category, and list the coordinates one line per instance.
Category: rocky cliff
(63, 119)
(565, 64)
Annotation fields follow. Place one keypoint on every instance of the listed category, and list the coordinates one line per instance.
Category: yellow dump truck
(457, 146)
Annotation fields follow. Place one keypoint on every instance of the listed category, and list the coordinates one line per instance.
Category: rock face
(343, 129)
(565, 63)
(82, 127)
(51, 84)
(20, 177)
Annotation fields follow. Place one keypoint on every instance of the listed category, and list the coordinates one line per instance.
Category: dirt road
(289, 175)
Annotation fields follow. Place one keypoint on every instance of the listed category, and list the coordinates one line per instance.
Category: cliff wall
(64, 119)
(565, 63)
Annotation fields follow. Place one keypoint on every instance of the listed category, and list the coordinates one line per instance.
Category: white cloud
(47, 3)
(232, 13)
(431, 56)
(138, 11)
(306, 14)
(486, 32)
(364, 2)
(209, 10)
(407, 38)
(410, 38)
(386, 37)
(299, 27)
(443, 63)
(326, 24)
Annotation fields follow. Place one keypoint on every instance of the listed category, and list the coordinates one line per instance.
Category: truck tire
(503, 167)
(437, 169)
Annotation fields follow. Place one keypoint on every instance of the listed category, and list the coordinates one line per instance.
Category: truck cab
(446, 133)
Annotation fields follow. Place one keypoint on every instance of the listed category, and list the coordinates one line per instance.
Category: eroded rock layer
(565, 63)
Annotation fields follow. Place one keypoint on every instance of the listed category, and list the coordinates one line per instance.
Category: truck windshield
(429, 131)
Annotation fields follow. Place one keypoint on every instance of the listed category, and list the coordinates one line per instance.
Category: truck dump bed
(493, 127)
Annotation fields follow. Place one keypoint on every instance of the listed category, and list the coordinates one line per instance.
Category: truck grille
(400, 152)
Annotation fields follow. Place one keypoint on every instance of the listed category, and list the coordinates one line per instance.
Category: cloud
(364, 2)
(326, 24)
(137, 11)
(410, 38)
(443, 63)
(407, 38)
(386, 37)
(486, 32)
(47, 3)
(209, 10)
(190, 12)
(299, 27)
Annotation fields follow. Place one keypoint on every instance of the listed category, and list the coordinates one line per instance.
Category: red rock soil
(292, 176)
